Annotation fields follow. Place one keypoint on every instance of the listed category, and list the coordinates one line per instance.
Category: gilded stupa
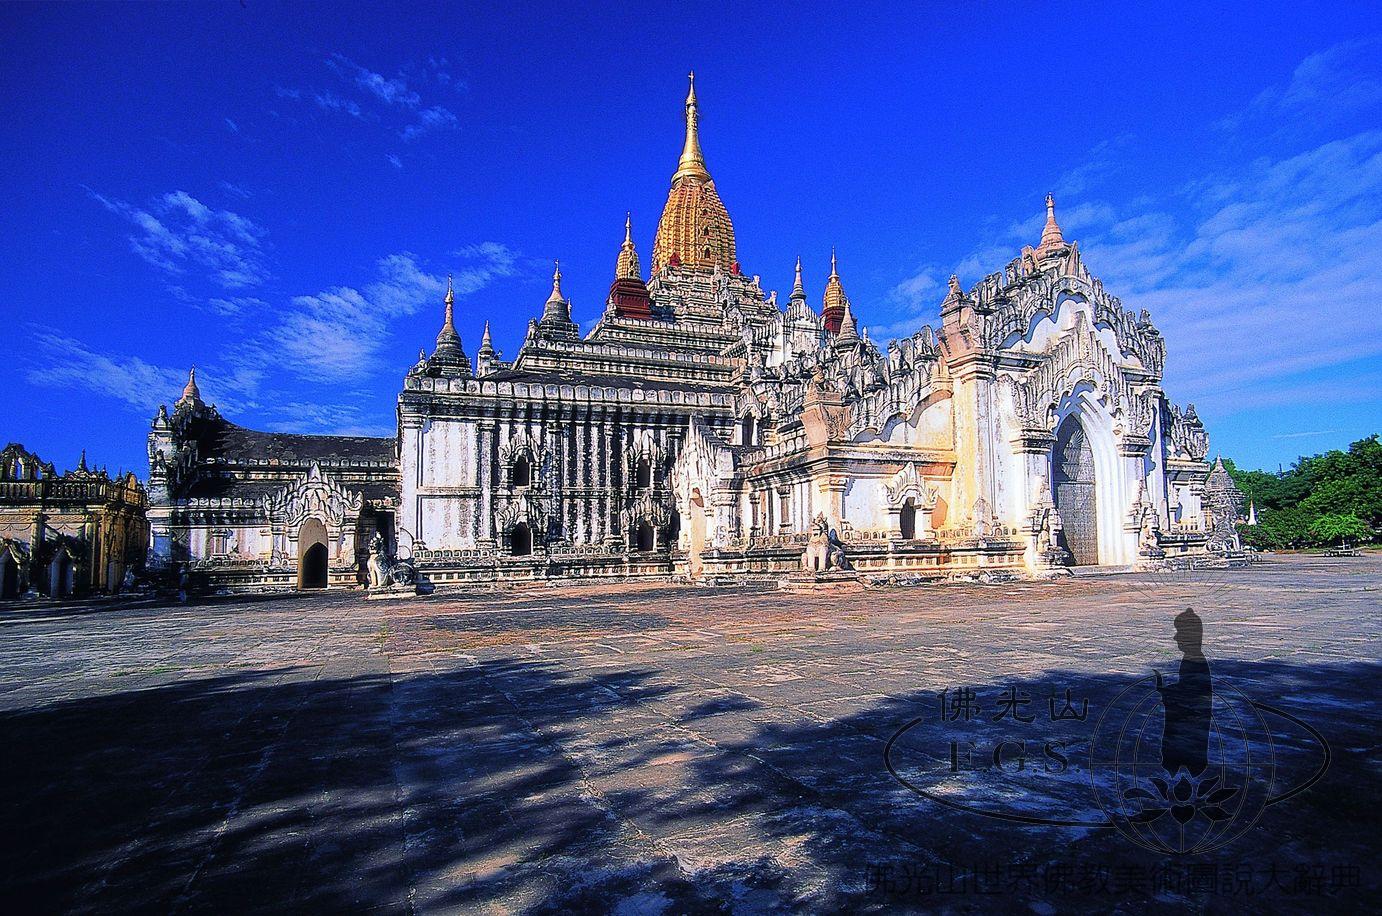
(695, 229)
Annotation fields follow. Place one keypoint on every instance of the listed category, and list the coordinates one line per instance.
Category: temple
(701, 428)
(67, 535)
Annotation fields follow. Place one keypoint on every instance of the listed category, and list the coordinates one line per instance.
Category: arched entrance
(907, 520)
(9, 576)
(1073, 486)
(644, 537)
(521, 540)
(312, 554)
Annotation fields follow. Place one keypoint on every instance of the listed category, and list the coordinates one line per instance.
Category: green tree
(1337, 485)
(1335, 528)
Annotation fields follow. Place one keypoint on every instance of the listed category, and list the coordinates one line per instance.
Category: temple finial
(450, 293)
(692, 162)
(833, 271)
(1051, 238)
(556, 279)
(191, 394)
(798, 288)
(626, 266)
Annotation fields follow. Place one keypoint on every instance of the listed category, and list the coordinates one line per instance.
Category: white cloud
(178, 232)
(235, 305)
(395, 161)
(336, 335)
(389, 98)
(316, 418)
(915, 301)
(232, 126)
(330, 101)
(1341, 80)
(434, 118)
(1279, 275)
(60, 361)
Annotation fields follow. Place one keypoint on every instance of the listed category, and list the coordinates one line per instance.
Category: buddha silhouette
(1188, 703)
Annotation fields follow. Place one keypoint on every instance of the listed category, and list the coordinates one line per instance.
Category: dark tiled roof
(224, 440)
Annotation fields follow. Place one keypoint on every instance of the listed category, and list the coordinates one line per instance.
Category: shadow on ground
(522, 786)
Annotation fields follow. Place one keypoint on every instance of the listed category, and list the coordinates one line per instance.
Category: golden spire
(1051, 238)
(627, 266)
(833, 305)
(798, 289)
(695, 230)
(692, 162)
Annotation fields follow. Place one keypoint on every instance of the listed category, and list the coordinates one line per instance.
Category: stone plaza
(644, 748)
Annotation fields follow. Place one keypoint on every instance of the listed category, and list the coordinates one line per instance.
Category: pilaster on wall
(972, 370)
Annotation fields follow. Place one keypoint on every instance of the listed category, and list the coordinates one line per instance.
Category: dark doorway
(314, 567)
(60, 583)
(521, 539)
(907, 520)
(1072, 479)
(643, 479)
(644, 537)
(522, 472)
(311, 561)
(9, 576)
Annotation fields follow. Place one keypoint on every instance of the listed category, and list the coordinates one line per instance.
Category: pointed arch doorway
(1073, 490)
(312, 554)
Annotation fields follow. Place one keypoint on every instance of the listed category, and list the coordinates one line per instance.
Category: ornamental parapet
(326, 463)
(216, 502)
(463, 556)
(581, 551)
(569, 392)
(244, 563)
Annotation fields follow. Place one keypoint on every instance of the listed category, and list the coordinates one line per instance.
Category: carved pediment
(520, 443)
(908, 483)
(313, 495)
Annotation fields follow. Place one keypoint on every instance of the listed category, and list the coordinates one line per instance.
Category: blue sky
(276, 193)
